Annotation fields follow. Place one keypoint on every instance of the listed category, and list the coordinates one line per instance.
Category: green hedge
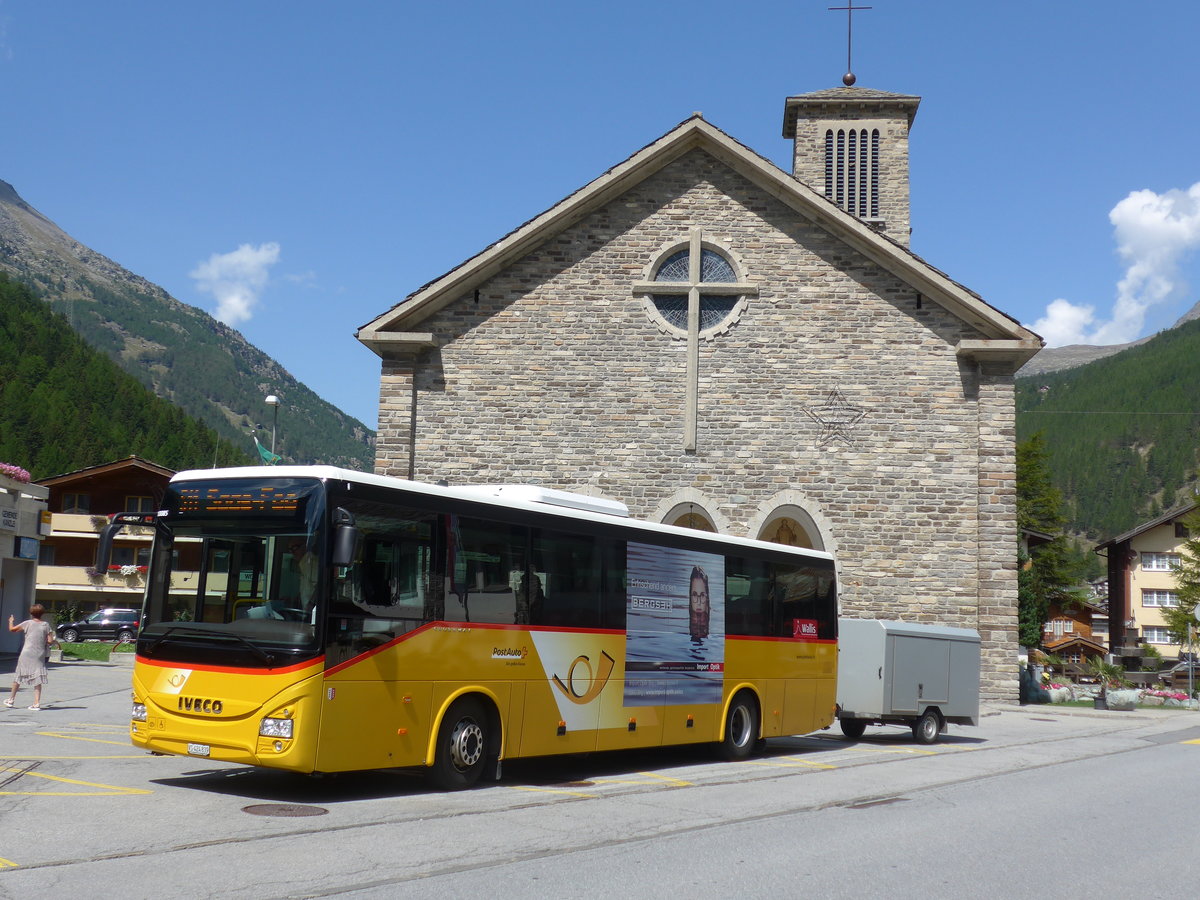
(96, 650)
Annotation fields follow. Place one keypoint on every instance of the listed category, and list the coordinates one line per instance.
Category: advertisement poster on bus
(675, 626)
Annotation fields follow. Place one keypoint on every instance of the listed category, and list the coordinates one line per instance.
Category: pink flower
(16, 473)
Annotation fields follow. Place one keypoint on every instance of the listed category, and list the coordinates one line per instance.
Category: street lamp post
(273, 402)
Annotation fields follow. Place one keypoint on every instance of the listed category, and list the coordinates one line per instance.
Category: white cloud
(1155, 235)
(236, 279)
(1065, 323)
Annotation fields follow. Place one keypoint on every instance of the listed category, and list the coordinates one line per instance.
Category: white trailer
(897, 673)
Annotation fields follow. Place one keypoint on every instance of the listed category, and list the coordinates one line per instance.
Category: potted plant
(1106, 674)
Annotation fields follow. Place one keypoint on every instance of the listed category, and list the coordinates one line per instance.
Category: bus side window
(566, 591)
(486, 562)
(749, 597)
(614, 562)
(383, 593)
(808, 596)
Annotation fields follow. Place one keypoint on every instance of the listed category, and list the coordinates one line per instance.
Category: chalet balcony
(125, 582)
(81, 525)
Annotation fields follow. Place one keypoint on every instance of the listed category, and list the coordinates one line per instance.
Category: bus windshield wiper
(206, 632)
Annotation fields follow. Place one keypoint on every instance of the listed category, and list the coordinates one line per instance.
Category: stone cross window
(695, 293)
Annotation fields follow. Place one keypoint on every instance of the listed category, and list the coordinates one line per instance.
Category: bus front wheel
(462, 744)
(741, 728)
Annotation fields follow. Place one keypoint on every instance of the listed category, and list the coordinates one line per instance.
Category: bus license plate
(199, 749)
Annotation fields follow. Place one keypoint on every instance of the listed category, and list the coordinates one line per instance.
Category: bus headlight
(138, 714)
(277, 728)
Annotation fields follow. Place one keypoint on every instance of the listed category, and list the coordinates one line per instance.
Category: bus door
(378, 685)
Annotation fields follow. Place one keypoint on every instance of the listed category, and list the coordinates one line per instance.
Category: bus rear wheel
(741, 728)
(462, 745)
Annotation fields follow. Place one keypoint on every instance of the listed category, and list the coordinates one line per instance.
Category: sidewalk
(1057, 710)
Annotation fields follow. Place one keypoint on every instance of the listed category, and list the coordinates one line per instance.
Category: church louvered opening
(852, 170)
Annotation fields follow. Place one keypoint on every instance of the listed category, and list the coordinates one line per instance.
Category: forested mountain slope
(65, 406)
(1122, 431)
(180, 352)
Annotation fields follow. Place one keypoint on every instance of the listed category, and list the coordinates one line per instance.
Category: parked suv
(105, 625)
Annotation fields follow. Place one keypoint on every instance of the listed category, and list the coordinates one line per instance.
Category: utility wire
(1103, 412)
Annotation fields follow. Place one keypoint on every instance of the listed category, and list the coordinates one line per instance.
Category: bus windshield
(237, 574)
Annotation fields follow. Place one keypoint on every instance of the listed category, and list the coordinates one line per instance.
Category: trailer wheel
(926, 729)
(741, 728)
(853, 728)
(462, 745)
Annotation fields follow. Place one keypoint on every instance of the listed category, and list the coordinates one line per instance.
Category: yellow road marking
(790, 761)
(910, 750)
(658, 779)
(7, 863)
(517, 787)
(108, 790)
(1196, 741)
(71, 737)
(676, 781)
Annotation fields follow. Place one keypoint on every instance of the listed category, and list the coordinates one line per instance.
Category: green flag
(268, 458)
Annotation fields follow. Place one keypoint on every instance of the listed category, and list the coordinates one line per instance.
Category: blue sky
(297, 168)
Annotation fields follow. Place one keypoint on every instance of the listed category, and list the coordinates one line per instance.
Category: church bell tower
(851, 144)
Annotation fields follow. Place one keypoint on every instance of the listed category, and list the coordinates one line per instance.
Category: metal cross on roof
(848, 79)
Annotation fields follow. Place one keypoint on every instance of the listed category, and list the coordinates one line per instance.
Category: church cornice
(862, 100)
(380, 342)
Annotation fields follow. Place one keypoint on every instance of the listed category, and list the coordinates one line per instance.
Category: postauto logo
(510, 652)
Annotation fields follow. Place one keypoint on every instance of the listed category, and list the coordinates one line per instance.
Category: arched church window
(695, 520)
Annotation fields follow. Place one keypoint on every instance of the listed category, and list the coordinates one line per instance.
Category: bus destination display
(240, 498)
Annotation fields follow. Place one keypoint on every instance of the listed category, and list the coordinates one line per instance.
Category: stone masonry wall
(561, 375)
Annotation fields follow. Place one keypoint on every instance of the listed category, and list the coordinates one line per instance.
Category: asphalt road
(1034, 802)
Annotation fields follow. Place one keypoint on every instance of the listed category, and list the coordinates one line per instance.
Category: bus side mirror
(345, 538)
(117, 523)
(104, 546)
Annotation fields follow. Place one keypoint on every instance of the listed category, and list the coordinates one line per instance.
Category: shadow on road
(574, 770)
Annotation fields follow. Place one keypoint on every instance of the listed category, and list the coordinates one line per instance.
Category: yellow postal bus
(321, 620)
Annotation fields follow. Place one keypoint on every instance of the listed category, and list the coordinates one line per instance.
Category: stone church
(723, 345)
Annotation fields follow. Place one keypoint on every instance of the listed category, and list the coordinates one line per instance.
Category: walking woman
(31, 664)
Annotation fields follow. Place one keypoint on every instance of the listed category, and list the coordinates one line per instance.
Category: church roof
(854, 93)
(1004, 338)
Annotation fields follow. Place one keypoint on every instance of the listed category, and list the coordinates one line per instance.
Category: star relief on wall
(836, 417)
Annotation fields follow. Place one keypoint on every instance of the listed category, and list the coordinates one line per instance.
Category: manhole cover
(284, 810)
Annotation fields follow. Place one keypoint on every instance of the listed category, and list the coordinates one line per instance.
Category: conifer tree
(1045, 577)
